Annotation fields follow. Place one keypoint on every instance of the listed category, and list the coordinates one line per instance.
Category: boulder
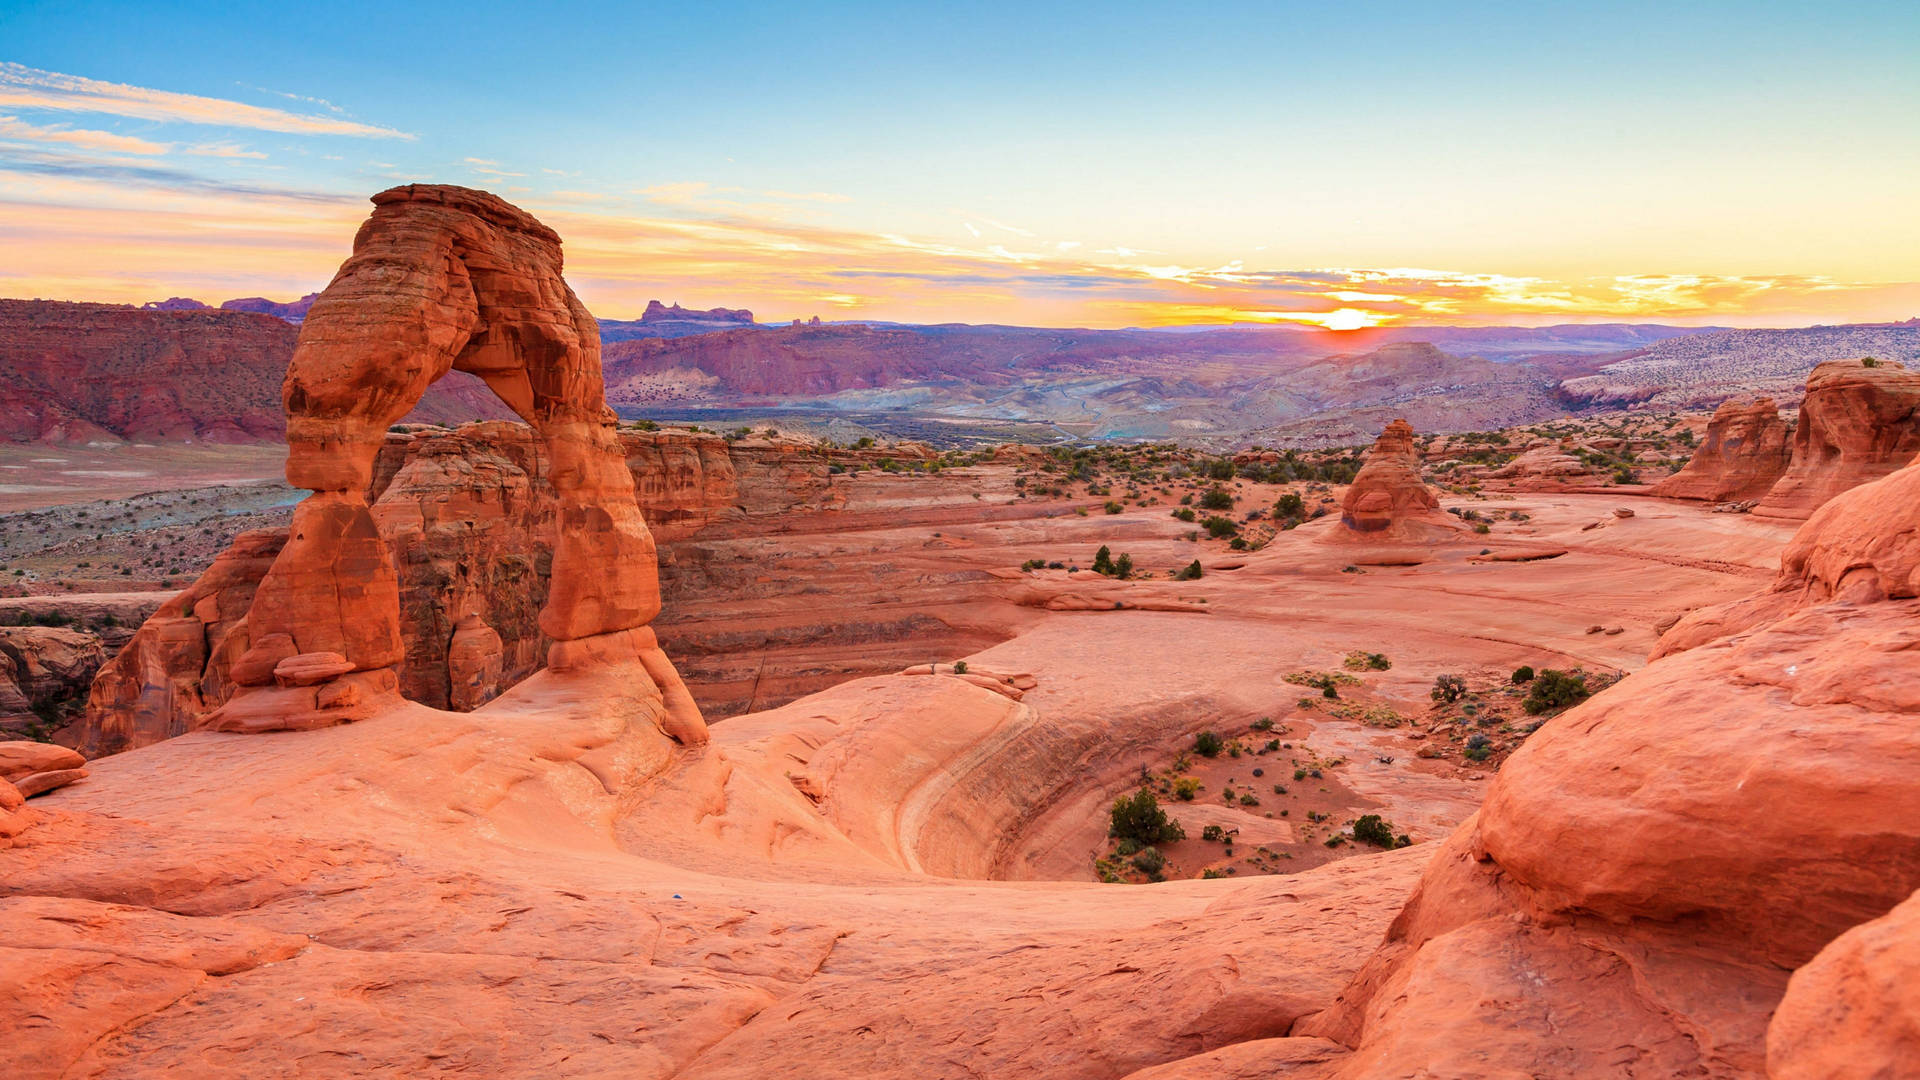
(1853, 1011)
(22, 759)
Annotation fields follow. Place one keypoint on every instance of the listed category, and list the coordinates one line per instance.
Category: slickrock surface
(889, 878)
(1745, 452)
(1857, 423)
(1660, 857)
(507, 878)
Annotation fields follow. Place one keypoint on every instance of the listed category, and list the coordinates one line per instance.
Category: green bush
(1141, 820)
(1218, 527)
(1208, 744)
(1213, 834)
(1113, 507)
(1376, 830)
(1555, 690)
(1189, 572)
(1184, 514)
(1103, 561)
(1186, 788)
(1448, 688)
(1290, 506)
(1522, 674)
(1217, 498)
(1123, 566)
(1151, 863)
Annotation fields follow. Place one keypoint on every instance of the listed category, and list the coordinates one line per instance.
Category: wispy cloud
(12, 127)
(225, 150)
(23, 87)
(155, 177)
(172, 233)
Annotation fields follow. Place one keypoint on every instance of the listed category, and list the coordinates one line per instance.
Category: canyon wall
(1860, 421)
(1745, 452)
(78, 373)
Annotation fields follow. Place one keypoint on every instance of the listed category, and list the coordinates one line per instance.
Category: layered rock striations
(1858, 422)
(1745, 452)
(100, 373)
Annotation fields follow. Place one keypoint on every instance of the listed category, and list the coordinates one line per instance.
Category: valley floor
(889, 876)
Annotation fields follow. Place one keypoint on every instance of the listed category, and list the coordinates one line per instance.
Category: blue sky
(1712, 162)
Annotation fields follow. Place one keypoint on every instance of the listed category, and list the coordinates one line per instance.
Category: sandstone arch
(442, 279)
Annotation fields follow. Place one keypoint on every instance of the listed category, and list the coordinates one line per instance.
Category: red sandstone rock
(19, 760)
(482, 294)
(1857, 424)
(42, 782)
(1648, 865)
(1853, 1011)
(1745, 452)
(89, 372)
(1862, 549)
(1387, 499)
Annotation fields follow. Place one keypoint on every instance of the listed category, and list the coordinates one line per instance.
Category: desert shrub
(1218, 527)
(1216, 498)
(1141, 820)
(1265, 723)
(1376, 830)
(1869, 361)
(1123, 566)
(1479, 748)
(959, 667)
(1214, 834)
(1522, 674)
(1184, 514)
(1249, 799)
(1555, 690)
(1299, 774)
(1367, 661)
(1210, 872)
(1289, 506)
(1208, 744)
(1186, 787)
(1189, 572)
(1221, 470)
(1151, 863)
(1448, 688)
(1113, 507)
(1103, 561)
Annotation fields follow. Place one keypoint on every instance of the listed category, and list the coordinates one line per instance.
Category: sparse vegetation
(1140, 819)
(1554, 690)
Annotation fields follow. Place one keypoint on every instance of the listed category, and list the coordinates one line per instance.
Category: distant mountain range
(182, 370)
